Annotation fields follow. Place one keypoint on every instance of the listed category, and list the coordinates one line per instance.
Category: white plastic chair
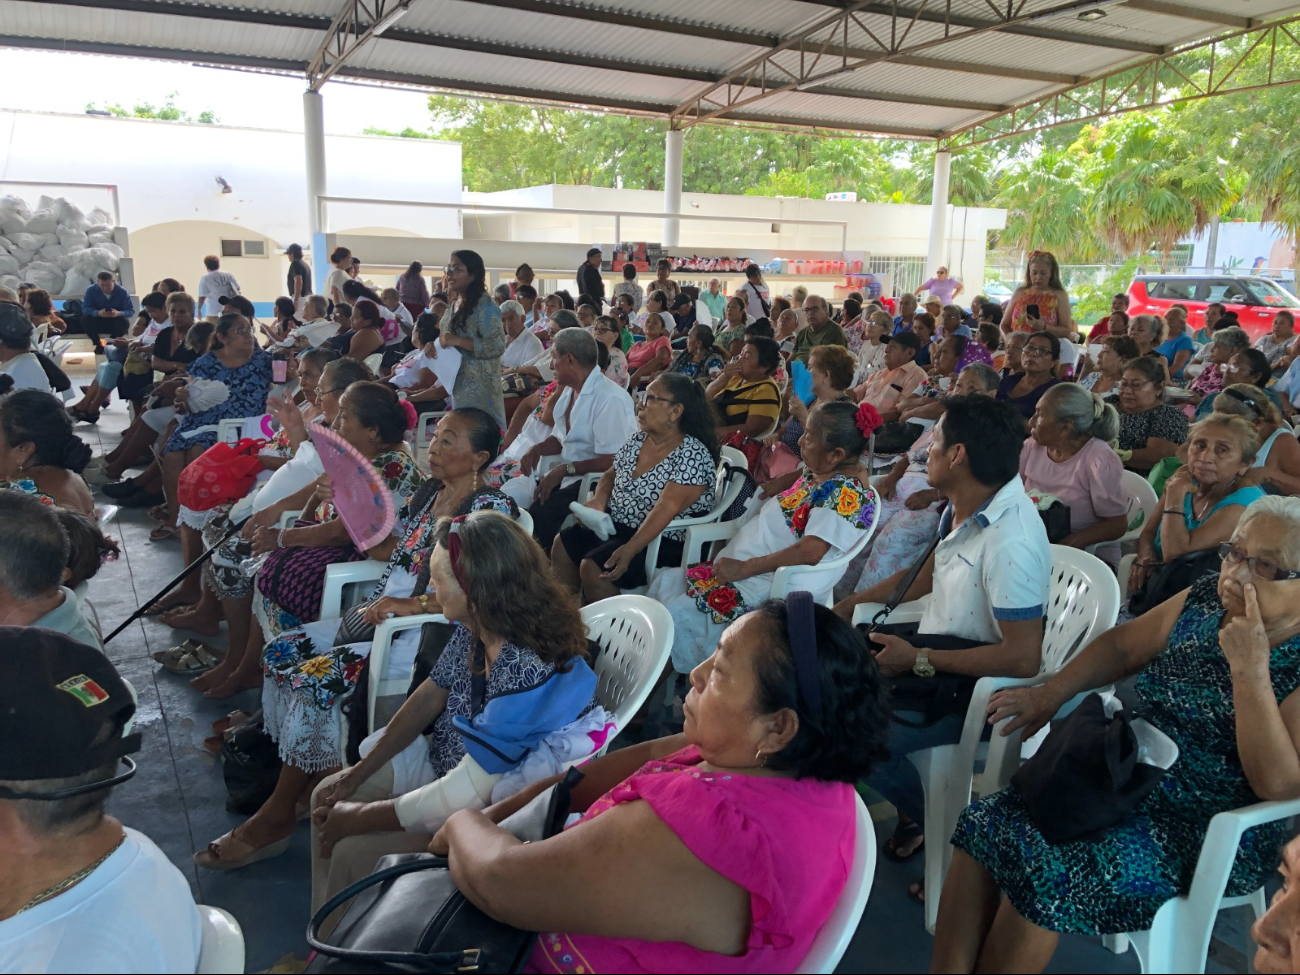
(1082, 603)
(1141, 495)
(525, 520)
(221, 952)
(374, 361)
(424, 427)
(231, 430)
(1179, 939)
(361, 576)
(833, 939)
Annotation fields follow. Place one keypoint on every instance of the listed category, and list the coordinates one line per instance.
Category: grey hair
(1260, 408)
(1084, 413)
(317, 303)
(1157, 325)
(345, 372)
(577, 342)
(988, 376)
(36, 546)
(513, 306)
(501, 292)
(1284, 508)
(563, 318)
(1234, 337)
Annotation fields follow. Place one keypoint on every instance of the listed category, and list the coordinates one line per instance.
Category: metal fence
(1011, 272)
(907, 273)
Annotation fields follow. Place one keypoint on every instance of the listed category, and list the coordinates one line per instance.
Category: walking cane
(196, 564)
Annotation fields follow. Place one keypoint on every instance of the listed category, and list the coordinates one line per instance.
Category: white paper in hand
(446, 367)
(598, 521)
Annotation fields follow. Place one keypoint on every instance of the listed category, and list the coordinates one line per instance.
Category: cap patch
(84, 690)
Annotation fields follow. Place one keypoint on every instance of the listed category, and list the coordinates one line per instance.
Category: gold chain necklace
(67, 882)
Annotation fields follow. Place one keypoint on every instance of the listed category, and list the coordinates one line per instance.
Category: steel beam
(1200, 14)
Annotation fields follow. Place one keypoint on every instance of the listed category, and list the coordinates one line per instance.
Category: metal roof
(919, 69)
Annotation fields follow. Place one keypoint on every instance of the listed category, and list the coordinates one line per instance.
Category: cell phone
(279, 370)
(1031, 311)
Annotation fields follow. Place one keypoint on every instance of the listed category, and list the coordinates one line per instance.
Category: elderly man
(820, 330)
(899, 378)
(105, 307)
(713, 299)
(79, 892)
(394, 304)
(906, 312)
(316, 328)
(501, 294)
(522, 346)
(594, 416)
(33, 566)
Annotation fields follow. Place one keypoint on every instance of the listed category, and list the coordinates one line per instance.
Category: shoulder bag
(408, 915)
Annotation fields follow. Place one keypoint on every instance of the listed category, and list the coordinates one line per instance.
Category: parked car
(1255, 300)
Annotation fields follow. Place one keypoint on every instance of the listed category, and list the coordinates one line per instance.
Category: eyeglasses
(453, 268)
(605, 328)
(330, 392)
(241, 331)
(1133, 384)
(1262, 568)
(661, 399)
(1036, 350)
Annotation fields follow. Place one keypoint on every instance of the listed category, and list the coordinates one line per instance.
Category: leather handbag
(408, 916)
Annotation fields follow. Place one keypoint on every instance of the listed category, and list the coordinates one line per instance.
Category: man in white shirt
(522, 346)
(78, 891)
(315, 328)
(987, 580)
(394, 304)
(594, 416)
(214, 286)
(758, 299)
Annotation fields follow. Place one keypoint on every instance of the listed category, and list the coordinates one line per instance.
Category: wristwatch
(923, 667)
(570, 469)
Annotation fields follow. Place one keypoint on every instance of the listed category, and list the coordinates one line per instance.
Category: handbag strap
(905, 583)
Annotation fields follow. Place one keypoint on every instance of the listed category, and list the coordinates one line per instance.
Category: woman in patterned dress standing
(474, 328)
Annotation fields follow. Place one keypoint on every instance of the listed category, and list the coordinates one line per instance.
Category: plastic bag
(8, 265)
(42, 222)
(45, 275)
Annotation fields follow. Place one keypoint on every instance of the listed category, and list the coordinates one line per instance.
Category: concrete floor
(178, 797)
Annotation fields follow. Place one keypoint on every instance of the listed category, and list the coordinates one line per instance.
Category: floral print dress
(304, 672)
(248, 385)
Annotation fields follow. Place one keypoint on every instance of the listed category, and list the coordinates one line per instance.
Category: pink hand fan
(361, 497)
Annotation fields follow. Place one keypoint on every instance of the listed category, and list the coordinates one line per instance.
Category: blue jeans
(897, 779)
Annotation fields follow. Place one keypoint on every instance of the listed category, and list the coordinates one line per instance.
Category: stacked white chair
(221, 950)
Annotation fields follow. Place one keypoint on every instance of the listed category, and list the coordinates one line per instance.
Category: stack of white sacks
(56, 246)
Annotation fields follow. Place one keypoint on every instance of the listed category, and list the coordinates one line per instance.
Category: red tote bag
(222, 474)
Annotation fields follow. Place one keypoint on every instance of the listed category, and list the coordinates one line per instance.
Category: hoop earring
(760, 757)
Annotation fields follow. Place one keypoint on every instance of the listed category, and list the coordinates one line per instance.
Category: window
(243, 248)
(1274, 295)
(1226, 290)
(1181, 290)
(255, 248)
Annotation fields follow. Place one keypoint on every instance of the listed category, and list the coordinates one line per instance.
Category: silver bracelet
(279, 539)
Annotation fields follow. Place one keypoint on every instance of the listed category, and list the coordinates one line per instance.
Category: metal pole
(938, 212)
(313, 132)
(673, 143)
(618, 229)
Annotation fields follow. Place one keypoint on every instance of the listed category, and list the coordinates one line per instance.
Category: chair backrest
(424, 427)
(734, 457)
(636, 635)
(823, 576)
(833, 939)
(525, 520)
(221, 951)
(374, 361)
(1082, 603)
(1141, 495)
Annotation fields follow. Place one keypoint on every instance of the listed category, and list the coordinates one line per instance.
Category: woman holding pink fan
(306, 671)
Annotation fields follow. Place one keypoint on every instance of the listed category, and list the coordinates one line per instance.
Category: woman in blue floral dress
(826, 513)
(1218, 671)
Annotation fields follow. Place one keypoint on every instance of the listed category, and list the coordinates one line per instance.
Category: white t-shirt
(337, 278)
(1070, 354)
(407, 372)
(134, 913)
(752, 293)
(215, 285)
(26, 372)
(521, 350)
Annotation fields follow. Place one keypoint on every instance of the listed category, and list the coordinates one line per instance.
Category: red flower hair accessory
(867, 419)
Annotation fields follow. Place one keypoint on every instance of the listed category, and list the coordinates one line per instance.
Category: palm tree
(1047, 205)
(972, 178)
(1276, 186)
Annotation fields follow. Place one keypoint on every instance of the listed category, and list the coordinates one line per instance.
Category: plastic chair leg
(947, 793)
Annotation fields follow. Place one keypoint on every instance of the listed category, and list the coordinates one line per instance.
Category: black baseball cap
(594, 251)
(237, 303)
(681, 301)
(15, 326)
(57, 696)
(909, 339)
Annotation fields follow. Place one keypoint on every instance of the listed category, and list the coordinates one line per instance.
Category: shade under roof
(923, 69)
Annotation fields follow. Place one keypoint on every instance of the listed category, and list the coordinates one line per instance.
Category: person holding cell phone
(1041, 302)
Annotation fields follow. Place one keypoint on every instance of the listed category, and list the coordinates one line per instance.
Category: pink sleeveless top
(1046, 302)
(789, 843)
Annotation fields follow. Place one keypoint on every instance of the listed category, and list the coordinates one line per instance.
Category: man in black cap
(78, 891)
(684, 315)
(899, 378)
(590, 283)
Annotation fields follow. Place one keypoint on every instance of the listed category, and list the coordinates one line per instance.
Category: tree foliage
(167, 111)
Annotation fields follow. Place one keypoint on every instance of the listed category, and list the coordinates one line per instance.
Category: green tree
(972, 176)
(1047, 206)
(167, 111)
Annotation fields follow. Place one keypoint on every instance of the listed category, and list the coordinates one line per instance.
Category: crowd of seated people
(914, 461)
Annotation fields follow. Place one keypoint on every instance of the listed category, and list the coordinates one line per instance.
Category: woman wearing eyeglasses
(1278, 457)
(1038, 361)
(474, 327)
(609, 334)
(1217, 669)
(1149, 428)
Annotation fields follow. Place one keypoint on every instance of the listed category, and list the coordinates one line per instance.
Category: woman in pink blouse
(1068, 454)
(649, 358)
(740, 831)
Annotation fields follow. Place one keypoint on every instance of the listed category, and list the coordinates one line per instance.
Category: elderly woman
(307, 671)
(1148, 332)
(1013, 350)
(39, 453)
(474, 328)
(1039, 359)
(871, 356)
(663, 282)
(1278, 456)
(1224, 344)
(1249, 367)
(1149, 428)
(17, 360)
(828, 510)
(1068, 454)
(1202, 503)
(630, 287)
(364, 335)
(666, 470)
(700, 360)
(649, 358)
(923, 403)
(909, 507)
(245, 370)
(1177, 346)
(747, 397)
(1275, 342)
(731, 330)
(831, 369)
(516, 629)
(1115, 351)
(720, 826)
(1042, 300)
(609, 334)
(1277, 933)
(855, 330)
(1217, 669)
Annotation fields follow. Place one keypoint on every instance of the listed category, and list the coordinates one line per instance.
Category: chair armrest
(587, 486)
(394, 625)
(699, 536)
(342, 574)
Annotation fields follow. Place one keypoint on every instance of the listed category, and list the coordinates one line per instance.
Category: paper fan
(361, 497)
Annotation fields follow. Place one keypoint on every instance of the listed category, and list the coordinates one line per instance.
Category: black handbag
(1085, 777)
(1171, 578)
(250, 767)
(1056, 521)
(897, 438)
(408, 915)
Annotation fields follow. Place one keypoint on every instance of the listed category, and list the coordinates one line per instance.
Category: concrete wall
(171, 204)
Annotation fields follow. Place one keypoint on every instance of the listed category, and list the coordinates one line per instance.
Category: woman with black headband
(739, 831)
(1277, 461)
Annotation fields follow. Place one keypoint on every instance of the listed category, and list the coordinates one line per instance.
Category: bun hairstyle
(37, 417)
(89, 548)
(377, 406)
(844, 426)
(1083, 413)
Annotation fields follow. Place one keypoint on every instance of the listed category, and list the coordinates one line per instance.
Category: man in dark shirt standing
(299, 279)
(590, 282)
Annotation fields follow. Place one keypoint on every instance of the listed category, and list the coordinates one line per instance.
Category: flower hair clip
(867, 419)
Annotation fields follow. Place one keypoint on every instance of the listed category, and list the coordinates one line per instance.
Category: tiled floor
(178, 796)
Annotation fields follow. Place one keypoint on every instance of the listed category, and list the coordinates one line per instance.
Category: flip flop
(164, 533)
(230, 721)
(158, 512)
(156, 609)
(904, 834)
(229, 852)
(189, 659)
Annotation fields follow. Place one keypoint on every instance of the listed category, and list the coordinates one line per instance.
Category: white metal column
(313, 138)
(939, 214)
(672, 186)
